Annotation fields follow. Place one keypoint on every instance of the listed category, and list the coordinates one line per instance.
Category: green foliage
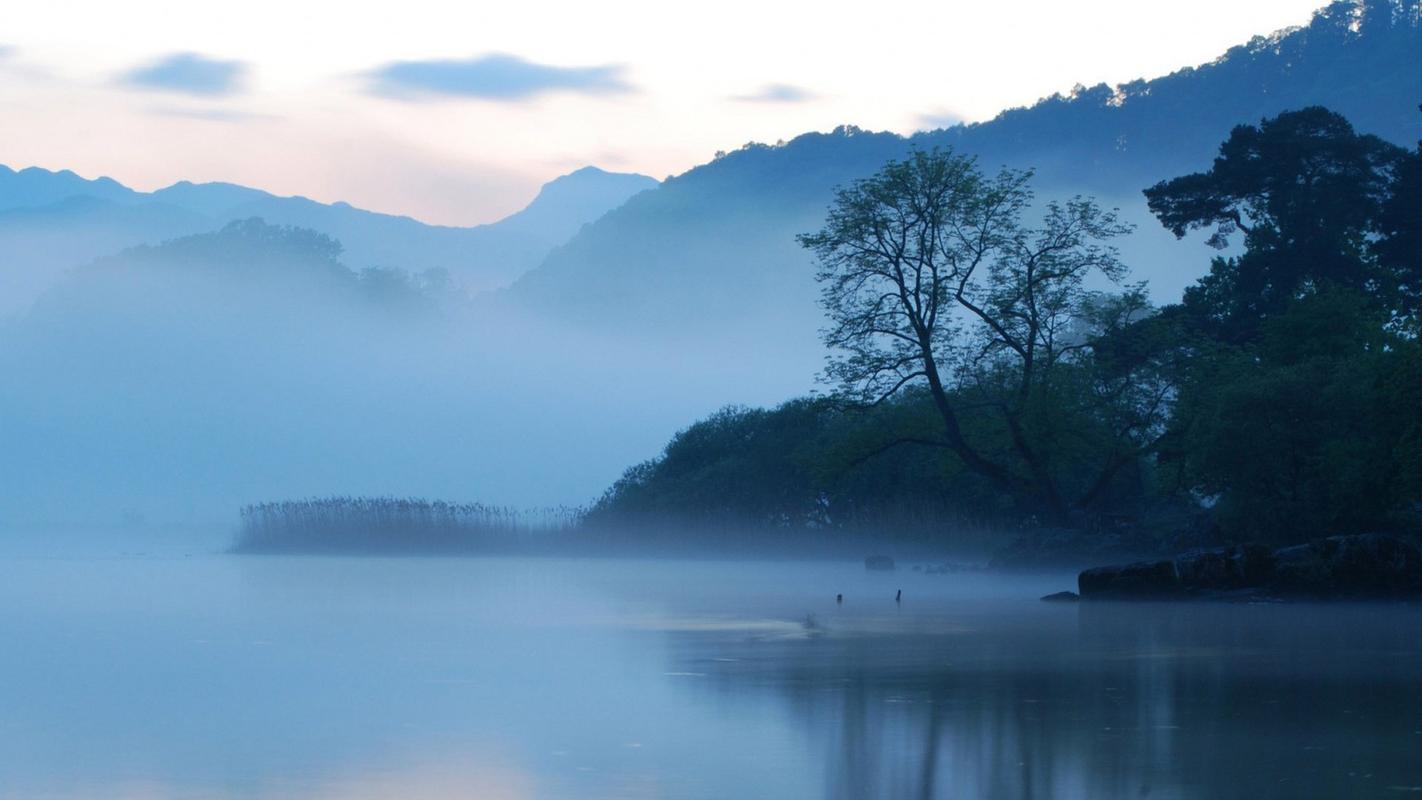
(932, 277)
(807, 464)
(1298, 411)
(1308, 192)
(986, 381)
(1293, 434)
(1400, 247)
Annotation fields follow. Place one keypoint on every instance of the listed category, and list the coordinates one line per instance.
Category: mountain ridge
(714, 246)
(45, 230)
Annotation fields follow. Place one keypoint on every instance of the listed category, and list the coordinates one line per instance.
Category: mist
(164, 388)
(168, 389)
(554, 678)
(1072, 453)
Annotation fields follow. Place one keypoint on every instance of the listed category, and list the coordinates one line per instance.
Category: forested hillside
(712, 251)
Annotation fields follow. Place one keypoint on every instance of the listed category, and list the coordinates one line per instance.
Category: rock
(1367, 565)
(1225, 568)
(1062, 597)
(881, 563)
(1141, 579)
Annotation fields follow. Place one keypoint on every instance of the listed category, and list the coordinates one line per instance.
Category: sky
(455, 113)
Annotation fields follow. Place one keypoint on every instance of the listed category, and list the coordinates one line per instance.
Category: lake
(215, 676)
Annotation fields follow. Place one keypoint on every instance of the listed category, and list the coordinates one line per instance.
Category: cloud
(492, 77)
(212, 114)
(13, 65)
(189, 73)
(778, 93)
(940, 119)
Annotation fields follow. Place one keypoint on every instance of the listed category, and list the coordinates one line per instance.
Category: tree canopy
(1307, 192)
(974, 361)
(932, 276)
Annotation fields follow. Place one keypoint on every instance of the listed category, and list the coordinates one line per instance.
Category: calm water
(499, 679)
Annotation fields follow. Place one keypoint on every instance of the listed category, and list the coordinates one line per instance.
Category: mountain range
(53, 221)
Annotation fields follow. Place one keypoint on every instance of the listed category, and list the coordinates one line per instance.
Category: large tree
(1306, 190)
(1295, 412)
(1400, 224)
(930, 276)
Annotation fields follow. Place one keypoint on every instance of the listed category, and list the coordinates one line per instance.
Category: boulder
(1368, 565)
(1362, 566)
(1224, 568)
(1141, 579)
(1062, 597)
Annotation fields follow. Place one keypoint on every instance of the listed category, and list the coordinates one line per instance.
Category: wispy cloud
(189, 73)
(778, 93)
(492, 77)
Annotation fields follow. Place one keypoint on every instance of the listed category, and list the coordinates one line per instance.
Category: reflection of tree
(1155, 701)
(855, 769)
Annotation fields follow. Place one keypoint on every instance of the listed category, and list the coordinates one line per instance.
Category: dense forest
(982, 371)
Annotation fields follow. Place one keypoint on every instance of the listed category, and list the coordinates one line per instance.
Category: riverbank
(1365, 566)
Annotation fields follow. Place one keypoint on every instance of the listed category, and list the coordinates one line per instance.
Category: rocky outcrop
(1363, 566)
(1350, 566)
(1141, 579)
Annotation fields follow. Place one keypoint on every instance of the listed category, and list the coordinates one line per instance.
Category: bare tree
(930, 277)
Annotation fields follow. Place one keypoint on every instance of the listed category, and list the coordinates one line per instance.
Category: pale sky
(455, 112)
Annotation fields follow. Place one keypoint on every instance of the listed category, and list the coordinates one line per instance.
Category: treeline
(810, 471)
(406, 526)
(396, 525)
(274, 261)
(979, 375)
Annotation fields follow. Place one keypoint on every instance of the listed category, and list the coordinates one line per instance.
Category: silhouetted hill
(713, 250)
(40, 243)
(52, 221)
(249, 270)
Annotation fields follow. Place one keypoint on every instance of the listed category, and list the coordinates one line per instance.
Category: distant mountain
(34, 187)
(53, 221)
(712, 251)
(567, 203)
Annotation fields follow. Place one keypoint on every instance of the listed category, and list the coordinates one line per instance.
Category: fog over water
(148, 398)
(212, 676)
(164, 388)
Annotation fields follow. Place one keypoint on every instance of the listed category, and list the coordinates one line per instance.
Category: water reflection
(1101, 701)
(511, 679)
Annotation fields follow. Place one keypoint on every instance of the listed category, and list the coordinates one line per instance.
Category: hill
(712, 251)
(53, 221)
